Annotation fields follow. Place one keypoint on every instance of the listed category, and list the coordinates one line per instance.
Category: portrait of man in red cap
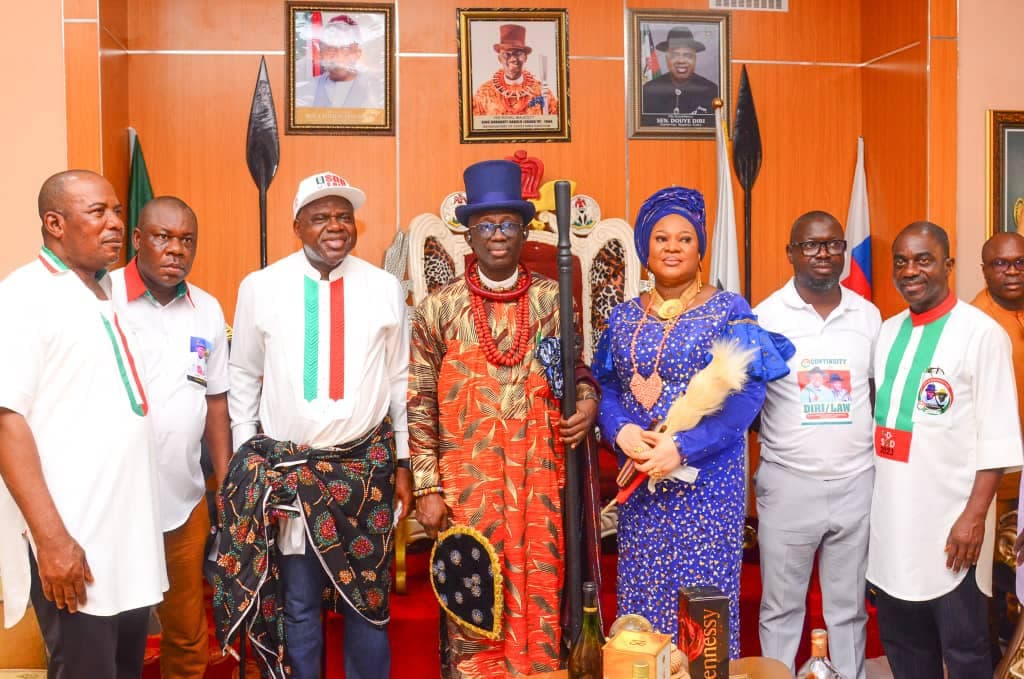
(513, 90)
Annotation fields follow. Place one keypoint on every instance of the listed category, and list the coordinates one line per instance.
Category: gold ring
(638, 449)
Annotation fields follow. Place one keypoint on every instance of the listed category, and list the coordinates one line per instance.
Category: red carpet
(414, 626)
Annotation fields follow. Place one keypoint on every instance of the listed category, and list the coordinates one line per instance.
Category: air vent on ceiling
(753, 5)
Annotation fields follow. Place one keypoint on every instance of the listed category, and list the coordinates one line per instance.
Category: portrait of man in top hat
(513, 71)
(679, 66)
(340, 67)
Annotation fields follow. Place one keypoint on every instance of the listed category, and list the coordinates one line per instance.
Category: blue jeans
(366, 648)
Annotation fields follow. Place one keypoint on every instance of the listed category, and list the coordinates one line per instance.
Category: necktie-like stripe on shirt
(336, 388)
(921, 362)
(311, 343)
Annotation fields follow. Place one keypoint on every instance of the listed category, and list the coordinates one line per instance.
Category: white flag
(725, 258)
(857, 271)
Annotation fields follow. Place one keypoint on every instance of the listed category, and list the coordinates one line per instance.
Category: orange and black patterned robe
(488, 436)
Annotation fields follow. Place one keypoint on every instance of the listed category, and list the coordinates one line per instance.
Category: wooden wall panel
(887, 25)
(810, 31)
(115, 119)
(943, 18)
(432, 159)
(895, 125)
(81, 9)
(595, 26)
(114, 18)
(942, 83)
(191, 113)
(82, 89)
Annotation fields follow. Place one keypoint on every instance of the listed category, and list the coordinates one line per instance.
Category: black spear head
(262, 149)
(746, 139)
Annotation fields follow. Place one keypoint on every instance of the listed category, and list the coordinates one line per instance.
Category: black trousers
(919, 636)
(83, 646)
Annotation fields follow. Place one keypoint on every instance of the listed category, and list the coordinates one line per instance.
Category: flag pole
(571, 510)
(262, 149)
(746, 158)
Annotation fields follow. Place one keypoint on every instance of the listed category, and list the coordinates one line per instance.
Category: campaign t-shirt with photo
(817, 419)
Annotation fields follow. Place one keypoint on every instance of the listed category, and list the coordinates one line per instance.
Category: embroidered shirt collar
(936, 312)
(54, 265)
(135, 287)
(312, 272)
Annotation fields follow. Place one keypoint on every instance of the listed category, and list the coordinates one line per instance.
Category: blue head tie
(676, 200)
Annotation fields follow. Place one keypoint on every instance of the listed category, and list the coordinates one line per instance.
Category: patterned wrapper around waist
(346, 494)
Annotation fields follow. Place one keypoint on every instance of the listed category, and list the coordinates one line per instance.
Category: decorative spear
(746, 159)
(262, 149)
(262, 155)
(571, 511)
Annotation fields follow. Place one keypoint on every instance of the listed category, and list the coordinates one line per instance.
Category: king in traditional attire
(675, 532)
(513, 90)
(487, 440)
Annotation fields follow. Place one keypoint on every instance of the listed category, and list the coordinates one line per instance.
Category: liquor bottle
(818, 665)
(585, 659)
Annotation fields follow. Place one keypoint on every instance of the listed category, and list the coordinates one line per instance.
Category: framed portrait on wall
(513, 75)
(1005, 171)
(678, 66)
(340, 64)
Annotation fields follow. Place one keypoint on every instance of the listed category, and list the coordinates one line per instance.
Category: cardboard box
(628, 647)
(704, 631)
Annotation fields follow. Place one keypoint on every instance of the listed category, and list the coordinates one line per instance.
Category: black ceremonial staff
(262, 149)
(572, 509)
(746, 159)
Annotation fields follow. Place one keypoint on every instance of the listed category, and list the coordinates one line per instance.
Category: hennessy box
(704, 631)
(629, 647)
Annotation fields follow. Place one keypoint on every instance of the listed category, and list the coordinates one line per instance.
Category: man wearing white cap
(320, 361)
(340, 83)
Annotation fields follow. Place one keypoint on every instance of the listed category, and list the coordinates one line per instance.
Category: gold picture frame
(528, 47)
(1004, 171)
(340, 65)
(678, 64)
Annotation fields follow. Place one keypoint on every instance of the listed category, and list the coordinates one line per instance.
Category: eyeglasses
(1003, 265)
(810, 248)
(518, 54)
(508, 228)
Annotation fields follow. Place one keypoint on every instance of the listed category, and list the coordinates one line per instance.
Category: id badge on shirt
(199, 349)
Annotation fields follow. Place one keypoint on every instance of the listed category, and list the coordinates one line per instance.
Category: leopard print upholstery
(607, 285)
(438, 267)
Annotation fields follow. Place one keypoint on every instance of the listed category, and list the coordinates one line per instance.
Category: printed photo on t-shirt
(824, 385)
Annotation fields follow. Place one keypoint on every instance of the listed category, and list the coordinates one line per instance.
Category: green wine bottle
(585, 658)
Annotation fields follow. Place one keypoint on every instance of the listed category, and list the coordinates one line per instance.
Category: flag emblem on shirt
(324, 318)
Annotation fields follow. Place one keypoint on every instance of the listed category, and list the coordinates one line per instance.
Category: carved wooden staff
(572, 509)
(262, 149)
(746, 159)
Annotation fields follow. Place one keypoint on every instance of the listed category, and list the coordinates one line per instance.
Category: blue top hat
(494, 185)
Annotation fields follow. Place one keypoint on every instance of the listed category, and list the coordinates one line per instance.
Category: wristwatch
(404, 463)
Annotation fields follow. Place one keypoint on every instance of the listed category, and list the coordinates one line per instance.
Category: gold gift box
(626, 648)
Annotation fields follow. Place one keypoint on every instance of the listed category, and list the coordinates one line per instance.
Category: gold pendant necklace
(647, 390)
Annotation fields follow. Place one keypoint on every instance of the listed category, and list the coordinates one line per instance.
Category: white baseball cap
(326, 184)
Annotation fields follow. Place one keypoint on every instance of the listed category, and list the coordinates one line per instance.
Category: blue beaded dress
(684, 534)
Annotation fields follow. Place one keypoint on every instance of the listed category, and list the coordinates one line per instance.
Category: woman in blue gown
(681, 533)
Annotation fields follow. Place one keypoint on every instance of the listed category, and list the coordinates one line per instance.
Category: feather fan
(705, 395)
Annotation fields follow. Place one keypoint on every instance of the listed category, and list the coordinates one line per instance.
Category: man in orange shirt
(1002, 262)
